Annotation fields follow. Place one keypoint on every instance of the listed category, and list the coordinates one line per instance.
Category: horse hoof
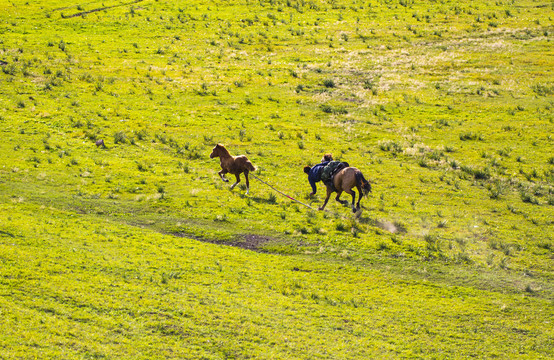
(320, 208)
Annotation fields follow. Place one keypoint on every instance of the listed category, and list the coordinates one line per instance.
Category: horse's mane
(223, 150)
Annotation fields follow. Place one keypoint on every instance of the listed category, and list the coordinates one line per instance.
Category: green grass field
(139, 250)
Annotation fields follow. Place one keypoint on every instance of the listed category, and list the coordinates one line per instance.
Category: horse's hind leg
(353, 193)
(344, 202)
(359, 196)
(238, 180)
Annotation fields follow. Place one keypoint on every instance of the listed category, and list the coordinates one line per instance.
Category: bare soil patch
(252, 242)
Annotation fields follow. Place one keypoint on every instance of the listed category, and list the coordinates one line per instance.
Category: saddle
(330, 170)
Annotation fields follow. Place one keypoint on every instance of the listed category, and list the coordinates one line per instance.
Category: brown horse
(345, 180)
(232, 165)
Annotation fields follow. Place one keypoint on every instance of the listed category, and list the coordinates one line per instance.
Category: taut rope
(282, 193)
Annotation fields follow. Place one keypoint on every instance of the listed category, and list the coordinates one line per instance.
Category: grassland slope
(446, 106)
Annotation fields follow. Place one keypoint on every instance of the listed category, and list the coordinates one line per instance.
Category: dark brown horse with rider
(345, 180)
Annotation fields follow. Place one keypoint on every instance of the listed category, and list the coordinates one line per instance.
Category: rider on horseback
(314, 173)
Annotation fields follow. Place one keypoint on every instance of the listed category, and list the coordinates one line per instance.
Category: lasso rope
(282, 193)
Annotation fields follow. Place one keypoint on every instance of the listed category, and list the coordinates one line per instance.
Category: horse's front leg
(247, 182)
(329, 192)
(238, 180)
(222, 175)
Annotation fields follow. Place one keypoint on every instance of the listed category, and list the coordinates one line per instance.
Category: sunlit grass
(446, 107)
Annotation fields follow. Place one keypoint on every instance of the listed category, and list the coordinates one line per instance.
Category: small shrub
(470, 136)
(120, 137)
(543, 90)
(423, 162)
(482, 174)
(528, 198)
(329, 83)
(9, 69)
(142, 134)
(504, 152)
(391, 146)
(496, 190)
(162, 138)
(332, 110)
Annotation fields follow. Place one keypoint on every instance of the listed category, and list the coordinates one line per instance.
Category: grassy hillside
(116, 252)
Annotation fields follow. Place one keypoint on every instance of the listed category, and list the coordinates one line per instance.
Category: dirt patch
(96, 10)
(247, 241)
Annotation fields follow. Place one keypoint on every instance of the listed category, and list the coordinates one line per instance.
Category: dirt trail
(99, 9)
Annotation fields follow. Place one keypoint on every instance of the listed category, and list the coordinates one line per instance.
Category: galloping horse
(232, 165)
(345, 180)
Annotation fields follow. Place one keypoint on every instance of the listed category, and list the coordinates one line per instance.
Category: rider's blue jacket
(315, 174)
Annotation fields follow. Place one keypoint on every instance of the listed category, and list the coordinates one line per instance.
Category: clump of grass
(391, 146)
(120, 137)
(442, 224)
(142, 134)
(333, 110)
(477, 173)
(432, 242)
(528, 197)
(329, 83)
(470, 136)
(341, 227)
(543, 90)
(9, 69)
(496, 189)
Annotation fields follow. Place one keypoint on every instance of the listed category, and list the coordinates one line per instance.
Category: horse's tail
(363, 183)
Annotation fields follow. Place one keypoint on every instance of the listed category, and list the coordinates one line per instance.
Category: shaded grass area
(106, 290)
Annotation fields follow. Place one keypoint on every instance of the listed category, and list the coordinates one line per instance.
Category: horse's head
(216, 151)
